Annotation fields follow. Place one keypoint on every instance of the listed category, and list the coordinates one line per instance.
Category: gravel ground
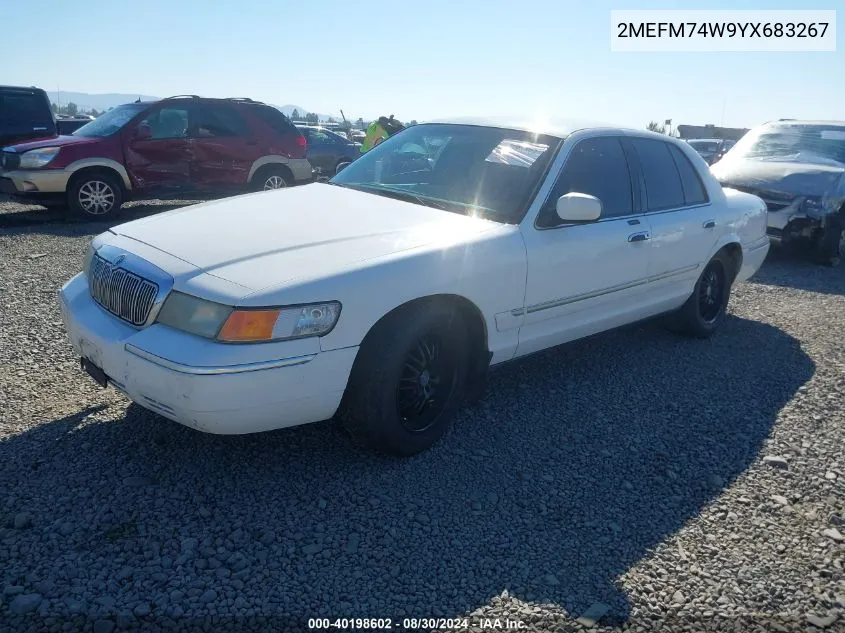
(652, 480)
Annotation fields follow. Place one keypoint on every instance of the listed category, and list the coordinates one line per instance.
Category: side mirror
(143, 132)
(578, 207)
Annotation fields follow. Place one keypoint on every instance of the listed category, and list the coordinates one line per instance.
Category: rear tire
(707, 307)
(95, 196)
(409, 378)
(272, 177)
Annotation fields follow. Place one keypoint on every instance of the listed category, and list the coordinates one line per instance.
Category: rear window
(24, 107)
(275, 119)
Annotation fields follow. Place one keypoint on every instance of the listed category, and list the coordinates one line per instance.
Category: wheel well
(87, 171)
(273, 168)
(734, 253)
(476, 326)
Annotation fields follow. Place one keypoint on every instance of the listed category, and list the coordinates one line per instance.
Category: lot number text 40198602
(427, 624)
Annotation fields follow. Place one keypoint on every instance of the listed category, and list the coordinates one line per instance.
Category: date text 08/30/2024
(426, 624)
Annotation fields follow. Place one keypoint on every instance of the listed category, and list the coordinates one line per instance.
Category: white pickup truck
(385, 295)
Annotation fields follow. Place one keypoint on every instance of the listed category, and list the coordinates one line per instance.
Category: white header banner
(724, 30)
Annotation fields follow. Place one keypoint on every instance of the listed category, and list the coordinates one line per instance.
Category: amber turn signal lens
(249, 325)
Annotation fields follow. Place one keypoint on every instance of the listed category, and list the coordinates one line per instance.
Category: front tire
(827, 248)
(707, 307)
(409, 378)
(95, 196)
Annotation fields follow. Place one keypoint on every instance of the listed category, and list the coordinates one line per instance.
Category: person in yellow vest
(380, 130)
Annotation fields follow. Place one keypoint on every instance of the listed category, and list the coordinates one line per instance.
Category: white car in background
(385, 295)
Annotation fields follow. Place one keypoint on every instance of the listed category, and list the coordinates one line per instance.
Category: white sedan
(385, 295)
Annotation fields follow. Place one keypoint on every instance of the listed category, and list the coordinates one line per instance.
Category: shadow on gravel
(790, 268)
(578, 463)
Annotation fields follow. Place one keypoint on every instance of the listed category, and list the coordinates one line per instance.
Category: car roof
(560, 127)
(22, 88)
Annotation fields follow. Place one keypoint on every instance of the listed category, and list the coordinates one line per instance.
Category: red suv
(159, 149)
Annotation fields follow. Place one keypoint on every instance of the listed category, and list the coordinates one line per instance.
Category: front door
(224, 148)
(158, 150)
(588, 277)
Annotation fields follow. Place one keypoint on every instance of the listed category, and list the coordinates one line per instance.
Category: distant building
(711, 131)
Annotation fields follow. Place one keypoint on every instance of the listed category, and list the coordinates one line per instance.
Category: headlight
(215, 320)
(197, 316)
(35, 158)
(276, 324)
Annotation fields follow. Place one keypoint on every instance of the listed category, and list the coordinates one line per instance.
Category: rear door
(587, 277)
(683, 224)
(224, 147)
(24, 115)
(158, 149)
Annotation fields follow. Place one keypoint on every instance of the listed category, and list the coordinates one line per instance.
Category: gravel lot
(697, 485)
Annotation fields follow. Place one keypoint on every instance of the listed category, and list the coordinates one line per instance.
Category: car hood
(792, 178)
(53, 141)
(307, 232)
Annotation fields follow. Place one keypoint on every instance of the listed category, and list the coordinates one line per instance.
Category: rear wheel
(270, 178)
(408, 380)
(95, 196)
(707, 307)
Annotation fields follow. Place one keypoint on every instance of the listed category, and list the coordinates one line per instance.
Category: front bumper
(252, 388)
(34, 181)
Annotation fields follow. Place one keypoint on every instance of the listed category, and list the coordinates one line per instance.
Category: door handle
(709, 224)
(639, 237)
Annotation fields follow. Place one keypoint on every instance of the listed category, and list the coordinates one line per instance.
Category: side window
(217, 121)
(598, 167)
(167, 123)
(274, 118)
(694, 192)
(662, 182)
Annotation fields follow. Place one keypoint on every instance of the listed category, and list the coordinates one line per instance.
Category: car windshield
(822, 144)
(110, 122)
(474, 170)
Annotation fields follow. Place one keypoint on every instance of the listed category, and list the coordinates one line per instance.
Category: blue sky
(416, 59)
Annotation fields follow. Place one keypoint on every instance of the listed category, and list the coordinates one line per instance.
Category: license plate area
(95, 372)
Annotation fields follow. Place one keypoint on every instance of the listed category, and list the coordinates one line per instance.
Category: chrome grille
(124, 294)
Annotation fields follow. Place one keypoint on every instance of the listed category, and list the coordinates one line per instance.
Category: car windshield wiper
(397, 194)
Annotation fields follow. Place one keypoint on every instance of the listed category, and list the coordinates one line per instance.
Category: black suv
(25, 115)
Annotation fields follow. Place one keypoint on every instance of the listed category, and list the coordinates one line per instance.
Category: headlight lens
(215, 320)
(35, 158)
(197, 316)
(277, 324)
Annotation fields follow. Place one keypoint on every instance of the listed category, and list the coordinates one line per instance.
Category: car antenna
(138, 100)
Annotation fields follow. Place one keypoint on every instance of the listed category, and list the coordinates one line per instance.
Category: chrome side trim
(673, 273)
(556, 303)
(216, 371)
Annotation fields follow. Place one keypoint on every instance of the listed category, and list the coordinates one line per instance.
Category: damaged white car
(385, 295)
(798, 169)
